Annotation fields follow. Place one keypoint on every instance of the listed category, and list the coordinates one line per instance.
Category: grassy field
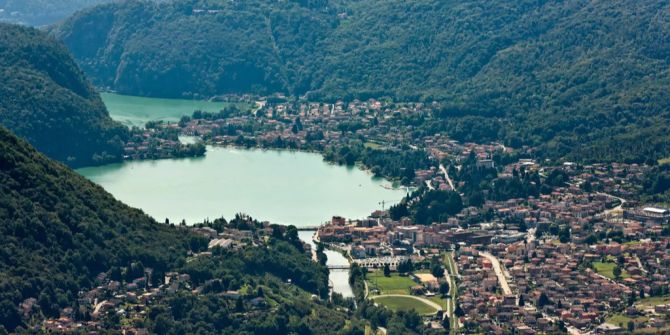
(622, 320)
(372, 145)
(438, 300)
(606, 269)
(394, 284)
(405, 304)
(653, 301)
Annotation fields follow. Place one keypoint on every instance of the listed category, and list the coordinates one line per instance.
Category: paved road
(451, 274)
(639, 264)
(571, 330)
(530, 235)
(424, 300)
(498, 270)
(446, 176)
(367, 291)
(615, 209)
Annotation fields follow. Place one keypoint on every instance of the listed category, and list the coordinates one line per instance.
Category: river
(339, 278)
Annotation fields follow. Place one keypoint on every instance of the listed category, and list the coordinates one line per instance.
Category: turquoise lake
(279, 186)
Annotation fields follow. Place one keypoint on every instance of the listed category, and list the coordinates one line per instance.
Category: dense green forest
(45, 98)
(567, 77)
(41, 12)
(59, 232)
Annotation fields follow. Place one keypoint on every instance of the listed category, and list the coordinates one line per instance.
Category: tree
(9, 315)
(523, 227)
(445, 324)
(459, 311)
(396, 212)
(444, 288)
(437, 270)
(521, 301)
(616, 272)
(163, 324)
(405, 266)
(591, 239)
(543, 300)
(564, 235)
(562, 327)
(631, 326)
(621, 260)
(239, 305)
(642, 294)
(387, 270)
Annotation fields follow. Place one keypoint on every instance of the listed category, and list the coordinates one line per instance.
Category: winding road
(615, 209)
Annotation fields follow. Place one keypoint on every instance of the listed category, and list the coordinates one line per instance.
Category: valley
(335, 167)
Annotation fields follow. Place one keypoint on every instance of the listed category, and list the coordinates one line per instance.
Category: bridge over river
(308, 228)
(338, 267)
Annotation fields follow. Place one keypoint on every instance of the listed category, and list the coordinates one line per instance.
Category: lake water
(339, 278)
(137, 111)
(283, 187)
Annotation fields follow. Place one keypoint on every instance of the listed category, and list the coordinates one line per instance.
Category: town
(536, 264)
(532, 245)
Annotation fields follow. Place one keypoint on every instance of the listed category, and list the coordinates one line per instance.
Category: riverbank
(340, 277)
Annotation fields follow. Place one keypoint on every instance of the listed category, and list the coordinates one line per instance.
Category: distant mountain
(45, 98)
(41, 12)
(580, 78)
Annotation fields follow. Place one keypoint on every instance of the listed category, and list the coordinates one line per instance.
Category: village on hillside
(583, 254)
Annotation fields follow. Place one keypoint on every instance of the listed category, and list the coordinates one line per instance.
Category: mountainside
(59, 230)
(567, 75)
(41, 12)
(45, 98)
(64, 240)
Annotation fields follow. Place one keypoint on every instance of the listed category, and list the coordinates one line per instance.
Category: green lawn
(606, 269)
(394, 284)
(372, 145)
(653, 301)
(438, 300)
(622, 320)
(404, 304)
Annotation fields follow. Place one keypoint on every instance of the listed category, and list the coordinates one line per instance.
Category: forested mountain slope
(59, 230)
(41, 12)
(581, 78)
(60, 233)
(45, 98)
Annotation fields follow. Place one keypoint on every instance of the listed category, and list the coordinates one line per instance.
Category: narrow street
(615, 209)
(446, 176)
(499, 272)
